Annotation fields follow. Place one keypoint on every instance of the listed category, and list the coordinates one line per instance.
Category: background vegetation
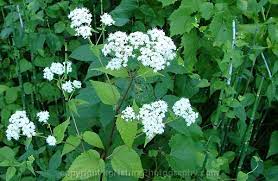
(230, 80)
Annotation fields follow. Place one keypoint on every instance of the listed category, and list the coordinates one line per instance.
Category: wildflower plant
(132, 89)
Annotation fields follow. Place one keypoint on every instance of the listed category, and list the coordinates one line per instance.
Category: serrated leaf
(59, 131)
(127, 130)
(89, 163)
(92, 139)
(122, 73)
(84, 53)
(107, 93)
(72, 143)
(167, 2)
(125, 161)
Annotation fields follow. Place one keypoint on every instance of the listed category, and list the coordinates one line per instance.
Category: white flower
(57, 68)
(13, 131)
(183, 109)
(152, 116)
(153, 49)
(107, 19)
(128, 114)
(19, 118)
(84, 31)
(67, 86)
(51, 140)
(76, 84)
(47, 74)
(80, 17)
(29, 129)
(43, 116)
(67, 67)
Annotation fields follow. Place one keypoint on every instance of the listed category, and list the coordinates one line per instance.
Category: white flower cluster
(69, 86)
(153, 49)
(51, 140)
(56, 68)
(151, 115)
(81, 19)
(183, 109)
(128, 114)
(43, 116)
(20, 122)
(107, 19)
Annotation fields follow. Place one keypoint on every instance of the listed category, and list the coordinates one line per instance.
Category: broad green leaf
(125, 161)
(185, 150)
(72, 143)
(89, 163)
(10, 173)
(28, 87)
(6, 153)
(59, 131)
(273, 1)
(206, 10)
(167, 2)
(84, 53)
(107, 93)
(273, 149)
(92, 139)
(24, 65)
(124, 11)
(127, 130)
(122, 73)
(241, 176)
(11, 95)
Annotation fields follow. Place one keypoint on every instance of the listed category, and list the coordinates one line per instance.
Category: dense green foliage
(231, 81)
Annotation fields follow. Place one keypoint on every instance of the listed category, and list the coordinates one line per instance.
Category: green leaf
(273, 1)
(127, 130)
(72, 143)
(28, 87)
(107, 93)
(59, 131)
(6, 153)
(25, 65)
(241, 176)
(206, 10)
(84, 53)
(59, 27)
(167, 2)
(185, 150)
(122, 73)
(273, 149)
(85, 166)
(147, 72)
(92, 139)
(11, 95)
(10, 173)
(125, 161)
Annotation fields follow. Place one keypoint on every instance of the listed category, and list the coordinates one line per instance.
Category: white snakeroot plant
(81, 19)
(183, 108)
(76, 84)
(47, 74)
(128, 114)
(153, 49)
(151, 116)
(51, 140)
(20, 122)
(57, 68)
(107, 19)
(70, 86)
(43, 116)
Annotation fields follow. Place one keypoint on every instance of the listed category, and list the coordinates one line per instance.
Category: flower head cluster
(51, 140)
(81, 19)
(56, 68)
(151, 115)
(183, 109)
(20, 122)
(153, 49)
(69, 86)
(128, 114)
(107, 19)
(43, 116)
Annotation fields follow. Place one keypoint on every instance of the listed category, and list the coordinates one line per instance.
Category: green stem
(249, 129)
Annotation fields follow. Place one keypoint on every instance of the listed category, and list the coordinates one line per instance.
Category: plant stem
(249, 129)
